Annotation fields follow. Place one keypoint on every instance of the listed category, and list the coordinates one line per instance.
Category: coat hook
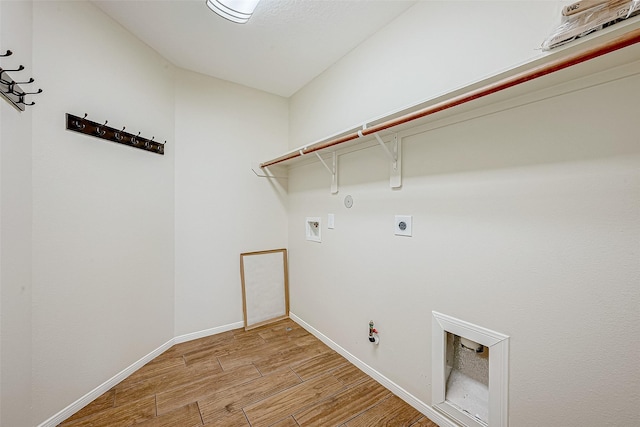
(77, 123)
(103, 131)
(20, 68)
(118, 135)
(9, 53)
(22, 101)
(32, 93)
(134, 140)
(25, 83)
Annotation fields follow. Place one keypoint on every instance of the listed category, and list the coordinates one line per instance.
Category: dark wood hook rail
(102, 131)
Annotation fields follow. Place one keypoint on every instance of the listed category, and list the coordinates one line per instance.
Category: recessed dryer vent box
(312, 229)
(470, 372)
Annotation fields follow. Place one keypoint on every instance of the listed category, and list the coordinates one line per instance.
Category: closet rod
(628, 39)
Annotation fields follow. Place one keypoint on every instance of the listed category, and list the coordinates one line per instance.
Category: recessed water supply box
(313, 229)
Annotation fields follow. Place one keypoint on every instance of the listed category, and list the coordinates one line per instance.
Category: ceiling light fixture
(238, 11)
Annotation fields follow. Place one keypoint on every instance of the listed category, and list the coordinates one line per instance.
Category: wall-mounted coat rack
(88, 127)
(11, 90)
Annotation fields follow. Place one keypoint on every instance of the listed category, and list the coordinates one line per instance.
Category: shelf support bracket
(332, 170)
(395, 159)
(276, 171)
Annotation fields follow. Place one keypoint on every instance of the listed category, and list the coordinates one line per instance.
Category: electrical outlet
(402, 225)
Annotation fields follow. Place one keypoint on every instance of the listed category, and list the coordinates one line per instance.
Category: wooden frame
(265, 287)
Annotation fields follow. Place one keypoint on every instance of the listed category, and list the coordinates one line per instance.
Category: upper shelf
(612, 47)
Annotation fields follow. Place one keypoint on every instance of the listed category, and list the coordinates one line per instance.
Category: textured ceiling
(285, 45)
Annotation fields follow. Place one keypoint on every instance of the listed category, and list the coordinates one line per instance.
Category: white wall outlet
(331, 221)
(402, 225)
(312, 229)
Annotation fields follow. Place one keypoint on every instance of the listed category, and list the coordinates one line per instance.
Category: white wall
(222, 208)
(535, 218)
(525, 222)
(15, 223)
(434, 47)
(103, 214)
(118, 269)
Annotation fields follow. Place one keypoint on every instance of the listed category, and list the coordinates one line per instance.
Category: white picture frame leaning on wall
(265, 287)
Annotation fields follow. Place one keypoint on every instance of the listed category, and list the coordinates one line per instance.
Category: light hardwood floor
(278, 375)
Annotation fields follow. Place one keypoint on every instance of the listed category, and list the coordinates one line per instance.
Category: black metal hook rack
(102, 131)
(11, 90)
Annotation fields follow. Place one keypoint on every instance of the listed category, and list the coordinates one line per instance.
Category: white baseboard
(207, 332)
(116, 379)
(419, 405)
(104, 387)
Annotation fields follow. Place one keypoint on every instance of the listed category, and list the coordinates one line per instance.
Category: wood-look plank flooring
(277, 375)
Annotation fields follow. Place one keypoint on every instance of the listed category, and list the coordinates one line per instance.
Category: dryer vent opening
(469, 372)
(467, 377)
